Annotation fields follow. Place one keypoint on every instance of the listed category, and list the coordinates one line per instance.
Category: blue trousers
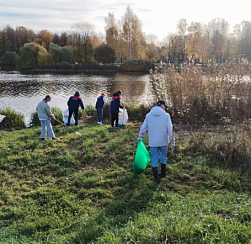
(100, 114)
(158, 153)
(46, 126)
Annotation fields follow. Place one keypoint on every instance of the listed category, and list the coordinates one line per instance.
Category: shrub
(90, 110)
(137, 65)
(12, 119)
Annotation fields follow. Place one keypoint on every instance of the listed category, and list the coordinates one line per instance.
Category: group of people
(45, 115)
(157, 123)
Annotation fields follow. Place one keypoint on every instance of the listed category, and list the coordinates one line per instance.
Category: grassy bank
(80, 189)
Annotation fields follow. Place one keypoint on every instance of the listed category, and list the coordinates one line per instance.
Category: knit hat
(77, 94)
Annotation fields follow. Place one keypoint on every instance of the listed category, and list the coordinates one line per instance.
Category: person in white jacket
(160, 130)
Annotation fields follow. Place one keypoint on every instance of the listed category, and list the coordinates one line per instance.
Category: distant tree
(45, 38)
(152, 52)
(63, 39)
(9, 59)
(10, 38)
(132, 35)
(3, 47)
(95, 41)
(194, 41)
(60, 54)
(32, 55)
(83, 31)
(105, 54)
(56, 39)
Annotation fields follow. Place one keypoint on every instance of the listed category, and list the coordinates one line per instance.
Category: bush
(90, 110)
(137, 65)
(12, 119)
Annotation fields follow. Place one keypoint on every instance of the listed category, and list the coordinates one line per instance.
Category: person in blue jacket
(114, 108)
(73, 103)
(101, 100)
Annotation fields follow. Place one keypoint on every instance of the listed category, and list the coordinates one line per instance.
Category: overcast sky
(157, 16)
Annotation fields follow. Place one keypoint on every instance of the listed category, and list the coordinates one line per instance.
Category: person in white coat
(160, 130)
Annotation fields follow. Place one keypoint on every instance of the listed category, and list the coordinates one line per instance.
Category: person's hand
(139, 139)
(173, 142)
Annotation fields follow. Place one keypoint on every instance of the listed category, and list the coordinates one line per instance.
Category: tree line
(194, 42)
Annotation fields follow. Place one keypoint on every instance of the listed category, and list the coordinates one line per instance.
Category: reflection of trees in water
(89, 86)
(132, 86)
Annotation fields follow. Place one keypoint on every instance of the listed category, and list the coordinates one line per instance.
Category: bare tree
(83, 31)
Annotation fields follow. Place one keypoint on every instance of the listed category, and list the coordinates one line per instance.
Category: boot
(163, 171)
(155, 174)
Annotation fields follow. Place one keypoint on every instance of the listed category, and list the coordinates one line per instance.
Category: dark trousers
(114, 116)
(75, 111)
(100, 114)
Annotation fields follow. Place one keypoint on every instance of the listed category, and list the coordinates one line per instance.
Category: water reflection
(22, 92)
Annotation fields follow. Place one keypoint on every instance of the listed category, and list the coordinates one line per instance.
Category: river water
(22, 92)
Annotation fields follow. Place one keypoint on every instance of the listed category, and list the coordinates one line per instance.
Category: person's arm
(169, 127)
(143, 129)
(68, 102)
(119, 103)
(48, 111)
(81, 104)
(104, 100)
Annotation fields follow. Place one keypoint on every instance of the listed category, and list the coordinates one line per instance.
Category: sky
(157, 16)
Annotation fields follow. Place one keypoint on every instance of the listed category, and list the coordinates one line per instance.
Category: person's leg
(101, 115)
(112, 119)
(117, 119)
(155, 159)
(49, 128)
(163, 158)
(76, 116)
(43, 130)
(69, 118)
(99, 110)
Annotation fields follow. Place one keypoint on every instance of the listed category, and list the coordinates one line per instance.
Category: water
(22, 92)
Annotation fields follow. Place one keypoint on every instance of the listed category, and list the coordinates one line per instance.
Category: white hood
(157, 111)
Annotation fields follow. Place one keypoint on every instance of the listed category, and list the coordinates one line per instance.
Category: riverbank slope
(80, 189)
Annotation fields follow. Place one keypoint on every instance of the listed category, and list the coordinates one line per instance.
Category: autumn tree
(194, 41)
(132, 35)
(45, 38)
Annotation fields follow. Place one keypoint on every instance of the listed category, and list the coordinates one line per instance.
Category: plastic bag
(1, 117)
(65, 114)
(123, 116)
(142, 158)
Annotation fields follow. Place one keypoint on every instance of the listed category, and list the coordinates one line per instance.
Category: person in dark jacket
(114, 108)
(73, 103)
(101, 100)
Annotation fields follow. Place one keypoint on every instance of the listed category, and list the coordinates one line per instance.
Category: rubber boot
(156, 175)
(163, 171)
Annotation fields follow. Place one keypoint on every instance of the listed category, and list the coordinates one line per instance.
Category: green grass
(80, 189)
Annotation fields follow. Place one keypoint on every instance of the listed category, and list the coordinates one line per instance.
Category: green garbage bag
(142, 158)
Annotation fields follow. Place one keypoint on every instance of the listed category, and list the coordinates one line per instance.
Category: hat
(77, 94)
(102, 94)
(160, 102)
